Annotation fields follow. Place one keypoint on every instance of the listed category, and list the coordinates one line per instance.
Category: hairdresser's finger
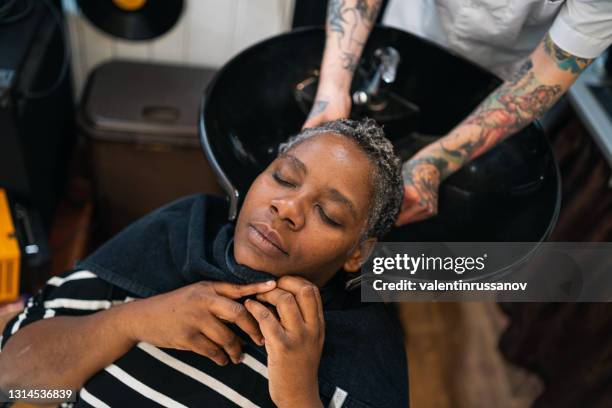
(270, 326)
(223, 337)
(411, 211)
(202, 345)
(406, 217)
(413, 214)
(231, 311)
(305, 292)
(236, 291)
(286, 306)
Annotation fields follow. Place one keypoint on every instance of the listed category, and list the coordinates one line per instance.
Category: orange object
(130, 5)
(10, 254)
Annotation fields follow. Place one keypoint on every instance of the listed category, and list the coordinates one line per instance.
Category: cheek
(321, 245)
(257, 196)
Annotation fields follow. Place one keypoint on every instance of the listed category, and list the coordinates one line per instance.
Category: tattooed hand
(421, 184)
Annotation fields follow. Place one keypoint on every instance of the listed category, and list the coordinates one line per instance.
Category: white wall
(209, 33)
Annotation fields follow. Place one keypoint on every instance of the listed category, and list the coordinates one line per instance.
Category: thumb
(236, 291)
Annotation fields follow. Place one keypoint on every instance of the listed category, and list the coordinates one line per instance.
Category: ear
(359, 255)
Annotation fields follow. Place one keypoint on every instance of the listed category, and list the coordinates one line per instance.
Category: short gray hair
(387, 181)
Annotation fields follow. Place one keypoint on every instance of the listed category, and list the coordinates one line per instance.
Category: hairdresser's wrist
(335, 80)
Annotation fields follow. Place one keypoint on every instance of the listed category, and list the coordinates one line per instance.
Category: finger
(320, 314)
(270, 326)
(286, 306)
(409, 215)
(202, 345)
(236, 291)
(219, 333)
(311, 122)
(305, 293)
(410, 206)
(234, 312)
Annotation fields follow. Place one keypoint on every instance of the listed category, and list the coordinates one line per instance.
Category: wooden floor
(453, 358)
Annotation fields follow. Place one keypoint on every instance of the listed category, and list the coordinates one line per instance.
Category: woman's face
(304, 214)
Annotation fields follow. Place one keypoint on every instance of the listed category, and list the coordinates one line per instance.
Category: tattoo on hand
(565, 60)
(424, 174)
(318, 107)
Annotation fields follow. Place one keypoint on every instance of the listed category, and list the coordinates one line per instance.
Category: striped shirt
(148, 376)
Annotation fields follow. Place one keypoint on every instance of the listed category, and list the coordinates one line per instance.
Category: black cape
(190, 240)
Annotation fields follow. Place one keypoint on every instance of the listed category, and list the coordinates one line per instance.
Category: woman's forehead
(334, 161)
(331, 149)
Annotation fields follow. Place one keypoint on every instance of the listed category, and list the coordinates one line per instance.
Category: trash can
(140, 122)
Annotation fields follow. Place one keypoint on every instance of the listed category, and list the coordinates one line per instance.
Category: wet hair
(387, 182)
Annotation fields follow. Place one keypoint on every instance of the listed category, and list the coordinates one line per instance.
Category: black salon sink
(509, 194)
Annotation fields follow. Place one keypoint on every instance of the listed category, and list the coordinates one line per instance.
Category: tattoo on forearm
(514, 105)
(350, 24)
(318, 107)
(349, 61)
(565, 60)
(368, 12)
(522, 71)
(334, 16)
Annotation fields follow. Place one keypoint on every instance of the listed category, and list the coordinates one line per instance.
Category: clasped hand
(291, 327)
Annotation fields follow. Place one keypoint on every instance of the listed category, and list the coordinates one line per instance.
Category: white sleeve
(583, 27)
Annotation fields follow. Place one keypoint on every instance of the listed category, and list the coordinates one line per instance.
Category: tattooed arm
(542, 80)
(349, 23)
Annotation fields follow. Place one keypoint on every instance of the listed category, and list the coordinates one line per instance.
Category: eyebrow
(334, 194)
(296, 163)
(337, 196)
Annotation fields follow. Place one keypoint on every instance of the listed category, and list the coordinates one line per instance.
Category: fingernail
(270, 283)
(260, 341)
(223, 362)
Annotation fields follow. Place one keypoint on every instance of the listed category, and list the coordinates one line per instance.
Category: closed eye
(282, 181)
(325, 218)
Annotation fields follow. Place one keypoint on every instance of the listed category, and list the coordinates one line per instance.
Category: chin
(248, 256)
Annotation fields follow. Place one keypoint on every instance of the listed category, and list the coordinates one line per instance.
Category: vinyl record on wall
(133, 19)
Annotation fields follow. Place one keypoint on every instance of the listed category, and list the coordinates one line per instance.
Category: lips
(270, 235)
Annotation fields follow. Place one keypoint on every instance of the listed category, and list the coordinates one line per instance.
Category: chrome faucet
(386, 71)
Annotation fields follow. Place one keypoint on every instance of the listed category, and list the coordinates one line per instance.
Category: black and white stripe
(147, 376)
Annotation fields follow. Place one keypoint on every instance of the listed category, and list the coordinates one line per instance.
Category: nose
(289, 210)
